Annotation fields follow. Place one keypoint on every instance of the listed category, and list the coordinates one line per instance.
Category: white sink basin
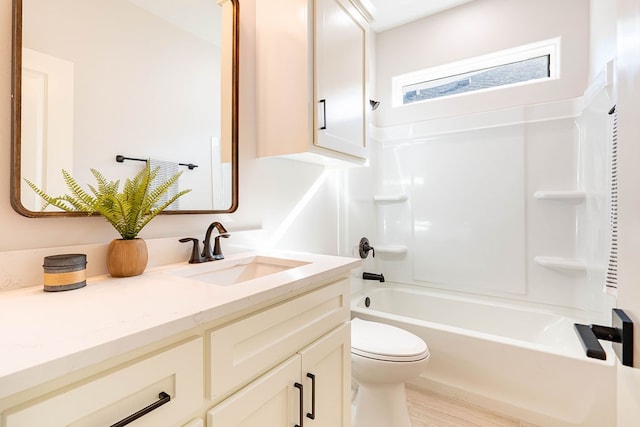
(227, 273)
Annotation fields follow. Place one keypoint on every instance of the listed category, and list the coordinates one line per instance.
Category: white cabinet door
(273, 400)
(340, 77)
(326, 376)
(320, 374)
(310, 74)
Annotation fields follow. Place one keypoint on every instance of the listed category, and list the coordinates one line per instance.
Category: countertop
(45, 335)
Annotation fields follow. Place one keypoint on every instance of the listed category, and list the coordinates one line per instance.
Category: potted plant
(128, 211)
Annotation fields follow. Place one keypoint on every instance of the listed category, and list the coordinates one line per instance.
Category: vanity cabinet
(314, 343)
(310, 388)
(170, 381)
(311, 66)
(274, 358)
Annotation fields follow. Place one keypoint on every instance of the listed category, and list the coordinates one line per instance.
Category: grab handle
(164, 398)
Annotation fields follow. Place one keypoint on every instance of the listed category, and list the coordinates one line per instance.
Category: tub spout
(373, 276)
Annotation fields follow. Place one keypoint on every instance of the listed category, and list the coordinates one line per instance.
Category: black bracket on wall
(620, 333)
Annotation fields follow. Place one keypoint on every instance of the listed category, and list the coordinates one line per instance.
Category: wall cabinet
(265, 365)
(312, 97)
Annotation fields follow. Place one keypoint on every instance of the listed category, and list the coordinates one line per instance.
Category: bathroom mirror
(146, 80)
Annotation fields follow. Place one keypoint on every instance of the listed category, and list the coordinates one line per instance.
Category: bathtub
(520, 361)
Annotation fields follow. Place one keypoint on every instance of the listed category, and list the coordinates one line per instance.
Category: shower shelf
(393, 198)
(391, 249)
(572, 264)
(571, 196)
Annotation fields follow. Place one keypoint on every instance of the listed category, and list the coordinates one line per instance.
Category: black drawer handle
(301, 410)
(164, 398)
(312, 414)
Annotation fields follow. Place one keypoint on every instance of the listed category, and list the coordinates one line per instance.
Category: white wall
(266, 196)
(478, 28)
(602, 38)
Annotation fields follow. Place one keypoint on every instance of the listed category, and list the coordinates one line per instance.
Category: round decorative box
(64, 272)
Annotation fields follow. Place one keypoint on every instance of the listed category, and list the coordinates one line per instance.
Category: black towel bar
(120, 159)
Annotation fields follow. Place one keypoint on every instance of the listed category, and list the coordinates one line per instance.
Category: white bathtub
(520, 361)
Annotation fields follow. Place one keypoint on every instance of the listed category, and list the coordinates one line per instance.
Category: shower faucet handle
(365, 247)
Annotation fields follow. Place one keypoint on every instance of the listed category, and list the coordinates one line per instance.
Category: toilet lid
(385, 342)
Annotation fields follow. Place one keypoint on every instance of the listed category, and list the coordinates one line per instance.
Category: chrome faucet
(207, 255)
(217, 250)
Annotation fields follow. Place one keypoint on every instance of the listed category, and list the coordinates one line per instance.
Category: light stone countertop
(45, 335)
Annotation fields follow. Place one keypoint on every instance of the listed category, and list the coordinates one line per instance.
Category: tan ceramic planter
(127, 258)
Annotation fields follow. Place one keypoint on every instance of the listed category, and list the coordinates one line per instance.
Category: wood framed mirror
(111, 84)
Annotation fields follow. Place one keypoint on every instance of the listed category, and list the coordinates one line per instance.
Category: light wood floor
(431, 410)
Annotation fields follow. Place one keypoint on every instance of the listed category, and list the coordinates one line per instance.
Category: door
(271, 401)
(47, 124)
(628, 107)
(326, 376)
(340, 77)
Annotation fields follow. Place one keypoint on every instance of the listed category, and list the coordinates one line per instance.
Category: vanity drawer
(243, 350)
(107, 398)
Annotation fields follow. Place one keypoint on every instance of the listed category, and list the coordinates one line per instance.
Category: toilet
(383, 357)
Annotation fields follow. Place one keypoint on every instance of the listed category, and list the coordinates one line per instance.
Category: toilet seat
(385, 342)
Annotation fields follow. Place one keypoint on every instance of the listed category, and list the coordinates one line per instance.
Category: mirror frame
(16, 113)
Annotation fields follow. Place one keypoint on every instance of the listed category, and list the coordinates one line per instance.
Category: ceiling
(392, 13)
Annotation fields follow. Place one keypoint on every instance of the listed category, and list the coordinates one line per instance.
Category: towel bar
(120, 159)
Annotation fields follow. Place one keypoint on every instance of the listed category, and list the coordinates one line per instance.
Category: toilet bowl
(383, 357)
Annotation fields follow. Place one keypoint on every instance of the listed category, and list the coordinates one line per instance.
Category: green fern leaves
(127, 211)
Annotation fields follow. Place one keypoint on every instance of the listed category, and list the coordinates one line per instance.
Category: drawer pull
(301, 410)
(164, 398)
(312, 414)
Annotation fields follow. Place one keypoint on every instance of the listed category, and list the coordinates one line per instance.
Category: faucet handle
(217, 249)
(195, 258)
(365, 247)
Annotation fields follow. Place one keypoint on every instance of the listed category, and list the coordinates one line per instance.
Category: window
(514, 66)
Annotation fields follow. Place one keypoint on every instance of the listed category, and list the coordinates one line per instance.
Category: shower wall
(507, 203)
(501, 193)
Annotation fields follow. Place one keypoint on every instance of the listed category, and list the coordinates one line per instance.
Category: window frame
(550, 47)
